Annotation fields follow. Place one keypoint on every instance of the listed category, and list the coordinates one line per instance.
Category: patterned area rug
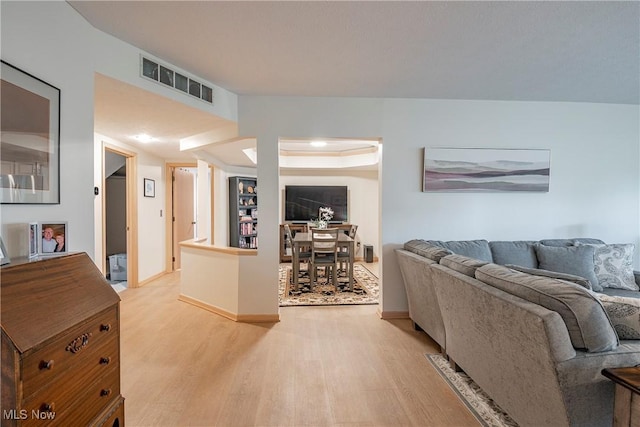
(481, 406)
(365, 289)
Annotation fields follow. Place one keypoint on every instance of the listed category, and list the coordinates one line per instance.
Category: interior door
(183, 211)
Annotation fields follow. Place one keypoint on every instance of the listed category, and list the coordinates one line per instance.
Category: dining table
(302, 239)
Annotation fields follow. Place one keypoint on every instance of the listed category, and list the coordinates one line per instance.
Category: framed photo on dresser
(53, 238)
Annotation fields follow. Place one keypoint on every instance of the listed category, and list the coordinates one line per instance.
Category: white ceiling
(570, 51)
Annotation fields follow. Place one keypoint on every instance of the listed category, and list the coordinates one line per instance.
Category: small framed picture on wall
(53, 237)
(149, 187)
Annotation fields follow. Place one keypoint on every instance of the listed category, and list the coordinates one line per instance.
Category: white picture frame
(32, 244)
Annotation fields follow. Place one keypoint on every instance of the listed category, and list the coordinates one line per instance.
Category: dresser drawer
(45, 364)
(71, 384)
(78, 409)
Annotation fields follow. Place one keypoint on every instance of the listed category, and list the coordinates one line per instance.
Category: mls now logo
(23, 414)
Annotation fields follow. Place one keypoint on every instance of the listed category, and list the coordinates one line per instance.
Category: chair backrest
(287, 234)
(352, 231)
(324, 241)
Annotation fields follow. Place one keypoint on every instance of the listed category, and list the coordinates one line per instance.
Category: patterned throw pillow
(624, 313)
(614, 265)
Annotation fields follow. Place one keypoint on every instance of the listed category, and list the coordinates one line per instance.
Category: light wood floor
(319, 366)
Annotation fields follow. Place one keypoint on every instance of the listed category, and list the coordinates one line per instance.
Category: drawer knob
(105, 327)
(105, 360)
(48, 407)
(105, 392)
(46, 364)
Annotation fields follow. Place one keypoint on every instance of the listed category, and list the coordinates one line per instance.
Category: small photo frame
(149, 187)
(53, 238)
(4, 255)
(33, 239)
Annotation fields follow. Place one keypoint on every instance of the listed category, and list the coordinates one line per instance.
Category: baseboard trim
(258, 318)
(386, 315)
(361, 259)
(151, 279)
(241, 318)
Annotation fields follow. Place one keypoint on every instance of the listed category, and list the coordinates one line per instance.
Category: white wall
(363, 198)
(52, 42)
(595, 190)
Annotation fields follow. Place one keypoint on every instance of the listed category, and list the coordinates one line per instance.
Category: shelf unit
(243, 212)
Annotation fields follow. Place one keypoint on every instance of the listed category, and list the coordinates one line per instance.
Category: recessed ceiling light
(143, 137)
(318, 143)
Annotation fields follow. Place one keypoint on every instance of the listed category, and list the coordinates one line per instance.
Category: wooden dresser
(60, 323)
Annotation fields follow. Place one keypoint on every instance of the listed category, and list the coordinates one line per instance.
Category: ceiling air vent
(159, 73)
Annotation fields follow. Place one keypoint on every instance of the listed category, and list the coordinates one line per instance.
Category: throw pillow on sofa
(426, 249)
(624, 313)
(514, 252)
(478, 249)
(614, 265)
(462, 264)
(577, 260)
(587, 322)
(553, 274)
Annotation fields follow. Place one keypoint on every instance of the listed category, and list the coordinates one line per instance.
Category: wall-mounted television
(302, 202)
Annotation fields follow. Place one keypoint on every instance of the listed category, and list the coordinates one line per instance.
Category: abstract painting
(485, 170)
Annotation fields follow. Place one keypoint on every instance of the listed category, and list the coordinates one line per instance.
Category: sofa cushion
(569, 242)
(614, 265)
(614, 292)
(478, 249)
(462, 264)
(587, 322)
(553, 274)
(577, 260)
(624, 314)
(516, 252)
(427, 250)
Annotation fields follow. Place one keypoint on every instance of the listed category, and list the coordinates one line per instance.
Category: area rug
(481, 406)
(365, 289)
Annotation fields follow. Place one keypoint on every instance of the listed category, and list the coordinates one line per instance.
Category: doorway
(119, 218)
(182, 201)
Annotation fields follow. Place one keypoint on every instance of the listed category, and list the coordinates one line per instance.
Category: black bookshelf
(243, 212)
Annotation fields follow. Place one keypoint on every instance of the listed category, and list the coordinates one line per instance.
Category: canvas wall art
(485, 170)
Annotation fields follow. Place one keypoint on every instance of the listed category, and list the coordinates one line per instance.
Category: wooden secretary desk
(60, 323)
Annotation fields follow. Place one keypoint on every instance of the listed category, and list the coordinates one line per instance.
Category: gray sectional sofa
(523, 321)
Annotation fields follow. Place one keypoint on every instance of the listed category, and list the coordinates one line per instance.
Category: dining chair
(324, 252)
(303, 254)
(343, 251)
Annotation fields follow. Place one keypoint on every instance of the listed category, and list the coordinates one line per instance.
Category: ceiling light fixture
(318, 143)
(143, 137)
